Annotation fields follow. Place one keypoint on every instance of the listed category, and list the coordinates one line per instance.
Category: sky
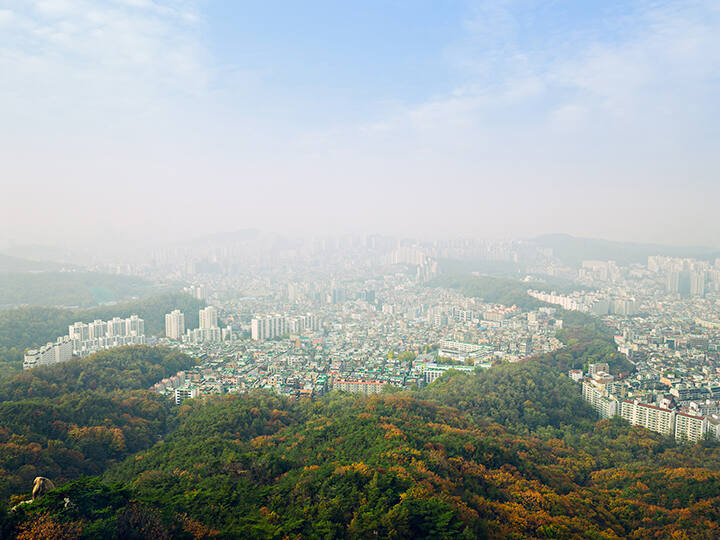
(154, 121)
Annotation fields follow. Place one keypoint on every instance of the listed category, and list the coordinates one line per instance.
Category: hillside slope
(82, 416)
(392, 466)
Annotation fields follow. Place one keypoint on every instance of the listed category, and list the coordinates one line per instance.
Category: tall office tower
(697, 283)
(208, 317)
(175, 324)
(672, 282)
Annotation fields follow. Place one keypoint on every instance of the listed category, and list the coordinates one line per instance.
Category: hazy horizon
(140, 121)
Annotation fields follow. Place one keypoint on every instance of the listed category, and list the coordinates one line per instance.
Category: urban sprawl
(382, 321)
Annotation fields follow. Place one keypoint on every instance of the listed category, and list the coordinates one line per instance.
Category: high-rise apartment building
(92, 337)
(116, 327)
(97, 329)
(134, 326)
(268, 327)
(175, 324)
(597, 395)
(690, 427)
(208, 330)
(208, 317)
(697, 283)
(658, 419)
(52, 353)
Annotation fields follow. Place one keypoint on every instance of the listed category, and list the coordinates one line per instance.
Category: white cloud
(670, 55)
(6, 16)
(84, 54)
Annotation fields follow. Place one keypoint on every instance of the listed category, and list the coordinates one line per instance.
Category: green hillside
(81, 416)
(512, 452)
(76, 289)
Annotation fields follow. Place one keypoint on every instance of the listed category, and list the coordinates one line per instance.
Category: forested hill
(509, 292)
(75, 288)
(28, 327)
(259, 466)
(586, 340)
(508, 452)
(81, 416)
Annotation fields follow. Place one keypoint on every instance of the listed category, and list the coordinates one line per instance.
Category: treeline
(8, 263)
(28, 327)
(79, 417)
(496, 290)
(121, 368)
(587, 340)
(70, 288)
(526, 398)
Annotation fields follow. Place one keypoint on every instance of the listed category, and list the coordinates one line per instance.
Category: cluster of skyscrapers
(685, 283)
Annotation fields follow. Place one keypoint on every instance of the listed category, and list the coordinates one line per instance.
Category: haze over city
(144, 121)
(404, 269)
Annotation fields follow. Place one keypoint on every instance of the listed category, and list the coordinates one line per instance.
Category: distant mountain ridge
(573, 250)
(10, 263)
(41, 253)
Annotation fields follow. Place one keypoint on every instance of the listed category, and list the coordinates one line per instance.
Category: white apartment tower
(134, 326)
(268, 327)
(175, 324)
(208, 318)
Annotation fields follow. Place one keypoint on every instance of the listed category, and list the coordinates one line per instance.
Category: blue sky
(494, 119)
